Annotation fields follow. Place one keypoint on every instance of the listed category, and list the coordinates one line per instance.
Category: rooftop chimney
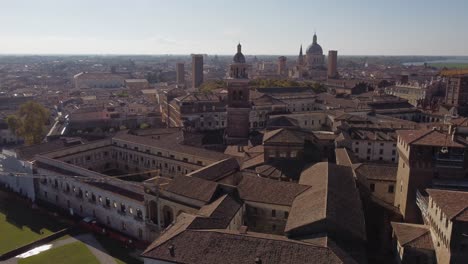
(171, 250)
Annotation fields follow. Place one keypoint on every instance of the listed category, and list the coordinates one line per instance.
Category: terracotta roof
(218, 214)
(428, 138)
(281, 169)
(193, 188)
(413, 235)
(282, 121)
(217, 170)
(284, 136)
(257, 189)
(171, 143)
(118, 190)
(222, 246)
(333, 198)
(453, 203)
(372, 134)
(266, 99)
(345, 157)
(383, 172)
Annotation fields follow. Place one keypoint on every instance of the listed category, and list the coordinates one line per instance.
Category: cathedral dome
(239, 57)
(314, 48)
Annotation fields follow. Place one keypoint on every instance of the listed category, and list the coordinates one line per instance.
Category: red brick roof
(453, 203)
(428, 138)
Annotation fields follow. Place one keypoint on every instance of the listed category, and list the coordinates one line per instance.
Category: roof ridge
(459, 212)
(418, 138)
(407, 242)
(326, 189)
(288, 240)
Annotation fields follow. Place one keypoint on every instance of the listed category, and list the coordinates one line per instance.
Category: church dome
(314, 48)
(239, 57)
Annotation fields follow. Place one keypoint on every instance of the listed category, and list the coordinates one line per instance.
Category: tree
(29, 122)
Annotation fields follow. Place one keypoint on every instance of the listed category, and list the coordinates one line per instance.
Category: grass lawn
(19, 224)
(117, 250)
(450, 65)
(73, 253)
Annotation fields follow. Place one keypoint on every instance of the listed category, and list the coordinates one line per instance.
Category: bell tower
(238, 108)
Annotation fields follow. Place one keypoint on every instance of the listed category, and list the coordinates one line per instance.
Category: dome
(314, 48)
(239, 57)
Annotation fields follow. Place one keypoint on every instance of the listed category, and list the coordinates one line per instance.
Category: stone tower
(238, 108)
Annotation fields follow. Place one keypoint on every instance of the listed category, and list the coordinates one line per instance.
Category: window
(286, 215)
(130, 210)
(391, 188)
(293, 154)
(139, 214)
(393, 152)
(273, 227)
(372, 187)
(356, 150)
(124, 226)
(273, 213)
(283, 154)
(122, 208)
(381, 151)
(108, 203)
(368, 151)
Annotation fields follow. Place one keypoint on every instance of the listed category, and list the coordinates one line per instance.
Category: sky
(279, 27)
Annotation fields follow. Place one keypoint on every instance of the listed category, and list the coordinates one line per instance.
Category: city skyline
(263, 27)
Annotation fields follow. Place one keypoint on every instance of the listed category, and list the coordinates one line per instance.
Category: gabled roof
(217, 170)
(428, 138)
(332, 197)
(194, 188)
(261, 190)
(452, 203)
(266, 99)
(382, 172)
(413, 235)
(282, 121)
(218, 214)
(284, 136)
(232, 247)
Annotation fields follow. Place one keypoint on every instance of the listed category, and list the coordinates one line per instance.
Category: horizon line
(210, 54)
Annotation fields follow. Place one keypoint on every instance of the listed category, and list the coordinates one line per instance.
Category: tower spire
(239, 47)
(315, 38)
(300, 51)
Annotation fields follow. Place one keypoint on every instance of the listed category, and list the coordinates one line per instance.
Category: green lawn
(450, 65)
(20, 224)
(117, 250)
(73, 253)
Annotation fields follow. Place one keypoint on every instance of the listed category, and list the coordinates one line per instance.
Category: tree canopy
(29, 122)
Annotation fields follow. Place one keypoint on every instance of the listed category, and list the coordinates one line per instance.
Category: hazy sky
(353, 27)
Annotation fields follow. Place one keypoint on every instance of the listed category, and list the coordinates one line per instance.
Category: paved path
(96, 248)
(88, 239)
